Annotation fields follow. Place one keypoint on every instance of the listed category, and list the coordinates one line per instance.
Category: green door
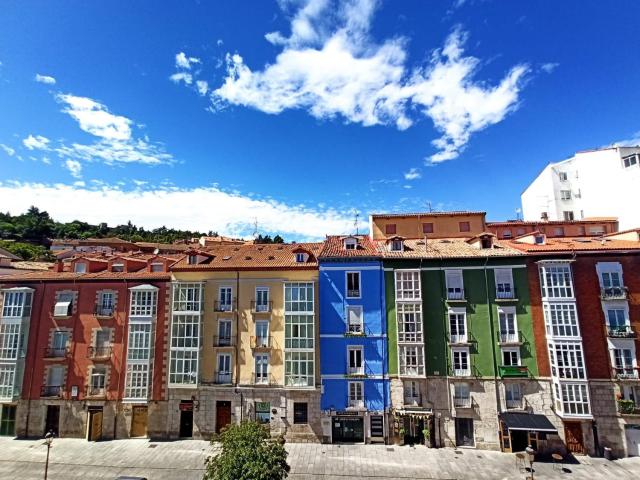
(8, 420)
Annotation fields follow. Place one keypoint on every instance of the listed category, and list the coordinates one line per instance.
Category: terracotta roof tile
(446, 248)
(334, 247)
(427, 214)
(66, 276)
(574, 244)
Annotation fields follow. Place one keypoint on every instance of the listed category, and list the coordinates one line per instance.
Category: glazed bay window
(411, 360)
(185, 345)
(299, 369)
(187, 297)
(355, 360)
(143, 301)
(575, 399)
(460, 362)
(137, 381)
(457, 326)
(7, 379)
(508, 325)
(356, 395)
(16, 302)
(138, 361)
(353, 285)
(567, 360)
(298, 297)
(299, 334)
(556, 281)
(354, 319)
(561, 319)
(139, 342)
(409, 322)
(9, 340)
(407, 285)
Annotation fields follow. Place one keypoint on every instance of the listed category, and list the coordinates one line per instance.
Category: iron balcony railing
(413, 400)
(462, 402)
(459, 339)
(356, 403)
(614, 293)
(222, 378)
(628, 407)
(626, 373)
(51, 391)
(462, 372)
(224, 341)
(456, 295)
(92, 391)
(224, 306)
(514, 404)
(356, 370)
(54, 352)
(620, 331)
(353, 293)
(261, 307)
(506, 338)
(100, 310)
(506, 294)
(261, 342)
(99, 352)
(263, 378)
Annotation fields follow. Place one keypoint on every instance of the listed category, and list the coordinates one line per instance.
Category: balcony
(628, 407)
(53, 353)
(459, 339)
(509, 338)
(614, 293)
(454, 296)
(261, 343)
(103, 311)
(462, 402)
(224, 341)
(513, 371)
(620, 331)
(626, 373)
(461, 372)
(506, 295)
(356, 403)
(353, 293)
(99, 353)
(414, 401)
(356, 371)
(263, 378)
(95, 392)
(514, 404)
(222, 378)
(261, 307)
(224, 306)
(51, 391)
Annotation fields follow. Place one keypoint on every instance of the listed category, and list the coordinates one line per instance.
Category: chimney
(544, 217)
(59, 266)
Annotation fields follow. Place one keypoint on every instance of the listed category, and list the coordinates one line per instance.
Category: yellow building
(243, 340)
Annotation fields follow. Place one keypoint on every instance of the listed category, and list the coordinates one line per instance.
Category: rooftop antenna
(430, 208)
(255, 228)
(355, 221)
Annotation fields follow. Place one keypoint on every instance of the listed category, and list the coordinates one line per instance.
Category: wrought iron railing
(51, 391)
(614, 293)
(620, 331)
(100, 310)
(261, 307)
(99, 352)
(224, 306)
(55, 352)
(224, 341)
(261, 342)
(222, 378)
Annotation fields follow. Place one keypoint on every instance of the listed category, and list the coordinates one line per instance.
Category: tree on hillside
(248, 453)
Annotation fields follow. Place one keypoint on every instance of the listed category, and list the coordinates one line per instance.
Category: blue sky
(210, 115)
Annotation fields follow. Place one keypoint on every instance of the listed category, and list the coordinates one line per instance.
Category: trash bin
(607, 453)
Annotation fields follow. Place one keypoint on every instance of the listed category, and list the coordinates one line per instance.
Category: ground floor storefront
(354, 426)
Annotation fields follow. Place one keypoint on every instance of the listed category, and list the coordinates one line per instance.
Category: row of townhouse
(429, 326)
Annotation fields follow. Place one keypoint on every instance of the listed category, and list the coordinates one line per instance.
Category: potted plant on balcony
(626, 406)
(426, 434)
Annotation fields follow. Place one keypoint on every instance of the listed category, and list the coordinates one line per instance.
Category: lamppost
(531, 454)
(48, 440)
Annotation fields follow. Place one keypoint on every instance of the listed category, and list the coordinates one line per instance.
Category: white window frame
(513, 395)
(98, 380)
(64, 304)
(458, 352)
(567, 360)
(117, 267)
(610, 269)
(563, 176)
(137, 382)
(630, 160)
(143, 301)
(80, 267)
(301, 257)
(262, 299)
(299, 351)
(10, 340)
(352, 293)
(461, 395)
(574, 395)
(16, 302)
(504, 283)
(561, 319)
(7, 381)
(454, 280)
(565, 194)
(411, 369)
(556, 281)
(105, 307)
(511, 351)
(409, 320)
(396, 245)
(411, 391)
(355, 312)
(510, 317)
(453, 316)
(356, 394)
(352, 360)
(261, 367)
(187, 297)
(568, 215)
(184, 350)
(225, 321)
(225, 304)
(262, 340)
(223, 373)
(154, 267)
(410, 279)
(350, 243)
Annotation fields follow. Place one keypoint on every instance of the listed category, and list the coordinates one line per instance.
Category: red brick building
(585, 296)
(588, 227)
(90, 337)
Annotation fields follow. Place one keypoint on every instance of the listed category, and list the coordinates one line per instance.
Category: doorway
(377, 427)
(52, 421)
(573, 437)
(464, 432)
(347, 430)
(8, 420)
(139, 422)
(223, 414)
(519, 440)
(186, 419)
(95, 424)
(632, 433)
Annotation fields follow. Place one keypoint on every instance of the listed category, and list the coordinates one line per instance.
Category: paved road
(184, 460)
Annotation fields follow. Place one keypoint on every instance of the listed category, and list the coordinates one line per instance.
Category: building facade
(592, 183)
(353, 344)
(559, 228)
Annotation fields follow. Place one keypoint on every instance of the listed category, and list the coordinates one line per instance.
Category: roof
(516, 223)
(90, 241)
(334, 247)
(163, 246)
(622, 232)
(426, 214)
(446, 248)
(573, 244)
(31, 265)
(253, 257)
(527, 421)
(7, 254)
(69, 276)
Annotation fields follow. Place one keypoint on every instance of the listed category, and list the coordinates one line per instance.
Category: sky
(303, 117)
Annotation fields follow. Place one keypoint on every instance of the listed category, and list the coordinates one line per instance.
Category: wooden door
(223, 415)
(573, 437)
(139, 422)
(95, 425)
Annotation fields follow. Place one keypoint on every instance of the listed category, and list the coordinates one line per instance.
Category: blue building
(353, 342)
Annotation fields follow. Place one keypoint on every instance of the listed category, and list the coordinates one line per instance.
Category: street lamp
(48, 440)
(531, 455)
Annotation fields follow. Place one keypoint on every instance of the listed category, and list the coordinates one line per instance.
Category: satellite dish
(156, 251)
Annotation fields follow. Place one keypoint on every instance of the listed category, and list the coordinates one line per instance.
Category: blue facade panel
(335, 338)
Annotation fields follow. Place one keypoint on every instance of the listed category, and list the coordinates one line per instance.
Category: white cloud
(46, 160)
(185, 77)
(182, 61)
(331, 67)
(219, 42)
(8, 150)
(74, 167)
(180, 208)
(549, 67)
(203, 87)
(46, 79)
(95, 118)
(412, 174)
(633, 141)
(37, 142)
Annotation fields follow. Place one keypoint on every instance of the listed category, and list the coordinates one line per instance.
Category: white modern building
(592, 183)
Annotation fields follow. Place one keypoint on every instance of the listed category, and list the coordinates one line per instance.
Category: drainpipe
(385, 344)
(122, 357)
(492, 332)
(32, 370)
(443, 290)
(237, 362)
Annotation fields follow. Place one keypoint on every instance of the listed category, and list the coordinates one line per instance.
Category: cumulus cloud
(181, 208)
(7, 149)
(203, 87)
(185, 77)
(412, 174)
(46, 79)
(182, 61)
(95, 118)
(549, 67)
(37, 142)
(331, 67)
(74, 167)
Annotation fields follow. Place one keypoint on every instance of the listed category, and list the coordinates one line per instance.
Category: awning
(527, 421)
(423, 412)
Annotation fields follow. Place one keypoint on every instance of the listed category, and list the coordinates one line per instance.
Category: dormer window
(350, 243)
(486, 242)
(117, 267)
(539, 239)
(157, 267)
(80, 268)
(396, 245)
(301, 257)
(193, 259)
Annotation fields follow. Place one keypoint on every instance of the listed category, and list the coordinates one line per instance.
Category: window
(55, 377)
(223, 374)
(464, 226)
(139, 343)
(9, 341)
(508, 326)
(630, 161)
(565, 194)
(298, 331)
(610, 276)
(300, 412)
(409, 322)
(455, 289)
(102, 342)
(262, 299)
(506, 233)
(355, 362)
(224, 332)
(64, 305)
(504, 283)
(157, 267)
(16, 303)
(427, 228)
(575, 399)
(97, 382)
(263, 412)
(411, 392)
(396, 245)
(225, 295)
(262, 368)
(356, 394)
(117, 267)
(562, 176)
(510, 357)
(80, 267)
(411, 360)
(539, 239)
(353, 284)
(390, 229)
(137, 381)
(561, 319)
(513, 395)
(262, 333)
(143, 303)
(407, 285)
(568, 216)
(558, 231)
(59, 343)
(461, 395)
(457, 326)
(556, 281)
(567, 360)
(299, 369)
(185, 344)
(350, 243)
(301, 257)
(354, 319)
(623, 362)
(298, 297)
(617, 320)
(192, 259)
(187, 297)
(7, 378)
(105, 304)
(460, 362)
